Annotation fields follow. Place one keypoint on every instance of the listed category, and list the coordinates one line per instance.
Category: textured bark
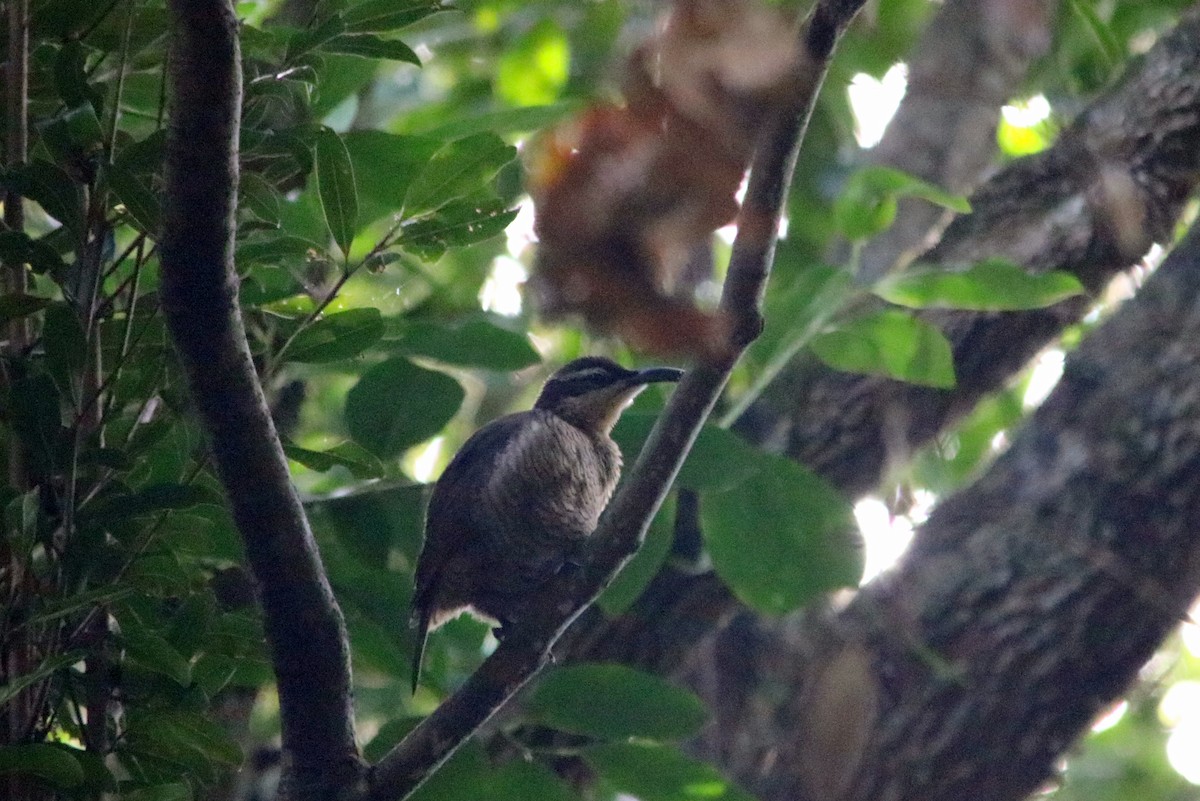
(303, 624)
(1051, 211)
(1027, 602)
(1091, 205)
(1030, 601)
(969, 62)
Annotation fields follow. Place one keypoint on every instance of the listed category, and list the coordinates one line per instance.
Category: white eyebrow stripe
(583, 374)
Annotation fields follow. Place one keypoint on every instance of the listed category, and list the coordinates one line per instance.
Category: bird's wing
(451, 519)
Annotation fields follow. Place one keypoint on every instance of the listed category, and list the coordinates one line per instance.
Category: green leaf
(313, 37)
(534, 70)
(139, 201)
(369, 45)
(397, 404)
(374, 520)
(171, 791)
(335, 182)
(149, 500)
(360, 463)
(456, 170)
(472, 343)
(52, 189)
(614, 701)
(377, 16)
(384, 166)
(14, 307)
(70, 74)
(637, 574)
(389, 734)
(718, 459)
(16, 247)
(782, 537)
(260, 197)
(337, 336)
(153, 652)
(458, 223)
(36, 417)
(52, 763)
(867, 205)
(182, 736)
(504, 121)
(992, 285)
(470, 776)
(658, 773)
(45, 669)
(65, 341)
(889, 343)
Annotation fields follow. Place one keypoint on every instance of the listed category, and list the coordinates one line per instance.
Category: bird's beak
(656, 375)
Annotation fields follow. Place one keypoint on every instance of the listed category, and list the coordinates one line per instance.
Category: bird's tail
(421, 619)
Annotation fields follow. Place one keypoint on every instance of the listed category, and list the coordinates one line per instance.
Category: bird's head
(591, 392)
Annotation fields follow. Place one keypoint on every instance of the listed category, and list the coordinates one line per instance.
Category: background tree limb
(1027, 603)
(1047, 212)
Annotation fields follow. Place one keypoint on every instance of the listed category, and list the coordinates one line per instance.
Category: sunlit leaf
(867, 204)
(992, 285)
(889, 343)
(458, 169)
(458, 223)
(782, 537)
(535, 69)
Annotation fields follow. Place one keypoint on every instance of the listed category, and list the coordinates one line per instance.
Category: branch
(624, 523)
(1113, 183)
(1028, 602)
(851, 427)
(304, 626)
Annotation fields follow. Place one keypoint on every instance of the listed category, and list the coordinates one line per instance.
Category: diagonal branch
(304, 626)
(1051, 211)
(1092, 204)
(1028, 601)
(623, 525)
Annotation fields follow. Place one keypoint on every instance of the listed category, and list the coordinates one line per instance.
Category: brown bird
(520, 498)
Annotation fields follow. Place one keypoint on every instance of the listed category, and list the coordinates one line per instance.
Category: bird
(518, 501)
